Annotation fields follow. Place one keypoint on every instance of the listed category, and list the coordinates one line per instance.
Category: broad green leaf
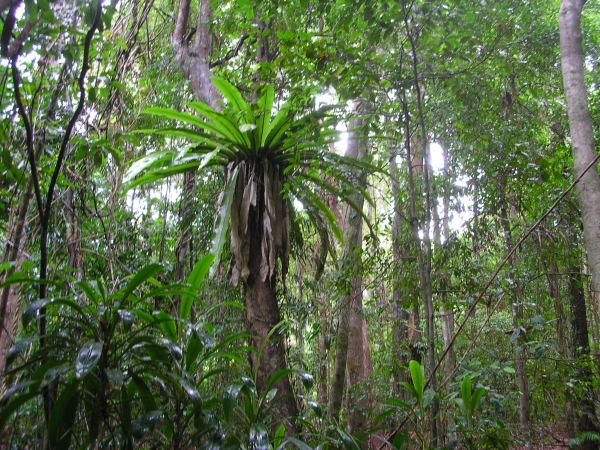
(31, 311)
(8, 410)
(140, 277)
(16, 349)
(316, 407)
(142, 164)
(231, 94)
(306, 378)
(127, 317)
(90, 289)
(193, 394)
(279, 434)
(465, 389)
(195, 280)
(383, 415)
(265, 105)
(146, 317)
(166, 323)
(13, 390)
(88, 357)
(230, 396)
(159, 174)
(40, 373)
(400, 403)
(222, 222)
(145, 394)
(17, 277)
(349, 442)
(62, 418)
(192, 351)
(278, 376)
(279, 125)
(400, 439)
(297, 443)
(258, 437)
(223, 123)
(476, 398)
(146, 423)
(126, 422)
(173, 348)
(416, 373)
(170, 113)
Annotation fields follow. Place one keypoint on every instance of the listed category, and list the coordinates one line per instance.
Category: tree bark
(262, 314)
(357, 147)
(582, 135)
(586, 410)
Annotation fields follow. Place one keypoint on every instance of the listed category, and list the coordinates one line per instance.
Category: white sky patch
(437, 157)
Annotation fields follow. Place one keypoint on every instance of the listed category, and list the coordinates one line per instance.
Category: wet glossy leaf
(146, 423)
(258, 437)
(88, 357)
(127, 317)
(316, 408)
(31, 311)
(306, 378)
(16, 349)
(230, 399)
(173, 348)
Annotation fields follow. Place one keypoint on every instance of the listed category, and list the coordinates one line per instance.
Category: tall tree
(582, 133)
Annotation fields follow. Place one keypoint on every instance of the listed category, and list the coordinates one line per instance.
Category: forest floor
(548, 439)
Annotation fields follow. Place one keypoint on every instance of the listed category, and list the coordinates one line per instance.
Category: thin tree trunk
(73, 236)
(554, 287)
(582, 134)
(404, 335)
(586, 410)
(441, 228)
(524, 408)
(9, 298)
(324, 342)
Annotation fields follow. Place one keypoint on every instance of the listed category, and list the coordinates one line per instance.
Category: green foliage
(256, 136)
(119, 356)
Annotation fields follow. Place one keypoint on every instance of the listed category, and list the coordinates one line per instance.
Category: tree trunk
(358, 362)
(9, 298)
(582, 134)
(262, 314)
(586, 411)
(324, 343)
(404, 335)
(441, 228)
(554, 287)
(351, 260)
(73, 236)
(524, 408)
(195, 64)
